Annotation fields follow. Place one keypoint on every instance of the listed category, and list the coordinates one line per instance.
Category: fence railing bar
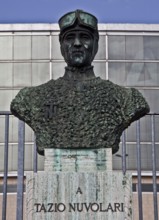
(152, 113)
(139, 170)
(4, 205)
(35, 166)
(20, 184)
(154, 169)
(5, 113)
(124, 152)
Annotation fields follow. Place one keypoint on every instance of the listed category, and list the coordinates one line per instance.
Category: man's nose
(77, 42)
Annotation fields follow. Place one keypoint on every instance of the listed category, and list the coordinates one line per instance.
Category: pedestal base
(78, 185)
(79, 196)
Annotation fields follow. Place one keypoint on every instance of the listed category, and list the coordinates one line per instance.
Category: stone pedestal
(78, 185)
(78, 160)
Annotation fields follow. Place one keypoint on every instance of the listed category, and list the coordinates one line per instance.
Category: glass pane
(56, 52)
(151, 47)
(146, 158)
(28, 163)
(116, 73)
(157, 127)
(101, 54)
(151, 71)
(40, 73)
(132, 156)
(145, 130)
(100, 69)
(116, 47)
(5, 100)
(22, 47)
(6, 75)
(29, 157)
(2, 158)
(58, 69)
(15, 92)
(134, 47)
(40, 47)
(134, 74)
(22, 74)
(149, 157)
(5, 47)
(142, 74)
(14, 159)
(117, 159)
(152, 97)
(10, 157)
(2, 124)
(131, 133)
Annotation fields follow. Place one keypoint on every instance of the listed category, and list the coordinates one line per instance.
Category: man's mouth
(77, 52)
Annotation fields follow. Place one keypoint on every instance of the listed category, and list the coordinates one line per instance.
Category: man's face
(77, 48)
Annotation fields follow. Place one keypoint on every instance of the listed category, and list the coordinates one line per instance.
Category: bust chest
(78, 106)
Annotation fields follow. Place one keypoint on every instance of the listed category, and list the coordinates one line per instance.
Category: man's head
(78, 38)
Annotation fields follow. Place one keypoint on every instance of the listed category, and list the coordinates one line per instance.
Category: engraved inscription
(79, 207)
(50, 110)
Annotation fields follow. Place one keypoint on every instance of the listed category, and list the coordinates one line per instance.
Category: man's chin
(78, 63)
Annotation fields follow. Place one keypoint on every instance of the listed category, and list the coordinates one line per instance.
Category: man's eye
(85, 37)
(70, 37)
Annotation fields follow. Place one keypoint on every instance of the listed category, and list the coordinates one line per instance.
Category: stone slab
(78, 160)
(78, 196)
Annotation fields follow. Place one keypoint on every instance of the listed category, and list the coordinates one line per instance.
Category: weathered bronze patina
(79, 110)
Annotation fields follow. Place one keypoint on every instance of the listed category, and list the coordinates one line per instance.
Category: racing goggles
(83, 18)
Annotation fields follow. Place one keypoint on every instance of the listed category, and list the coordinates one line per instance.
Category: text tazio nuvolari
(79, 207)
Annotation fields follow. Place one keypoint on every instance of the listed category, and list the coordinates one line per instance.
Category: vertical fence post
(20, 184)
(4, 205)
(154, 168)
(124, 152)
(35, 156)
(139, 170)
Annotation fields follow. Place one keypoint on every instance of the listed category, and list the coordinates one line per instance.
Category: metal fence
(21, 158)
(20, 171)
(154, 170)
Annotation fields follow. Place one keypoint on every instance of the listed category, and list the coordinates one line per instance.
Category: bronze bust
(78, 110)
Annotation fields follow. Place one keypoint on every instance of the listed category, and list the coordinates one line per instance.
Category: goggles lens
(67, 20)
(88, 19)
(84, 18)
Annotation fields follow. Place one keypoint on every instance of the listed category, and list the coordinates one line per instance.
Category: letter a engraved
(79, 191)
(42, 208)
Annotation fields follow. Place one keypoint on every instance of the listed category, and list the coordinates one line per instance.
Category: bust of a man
(78, 110)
